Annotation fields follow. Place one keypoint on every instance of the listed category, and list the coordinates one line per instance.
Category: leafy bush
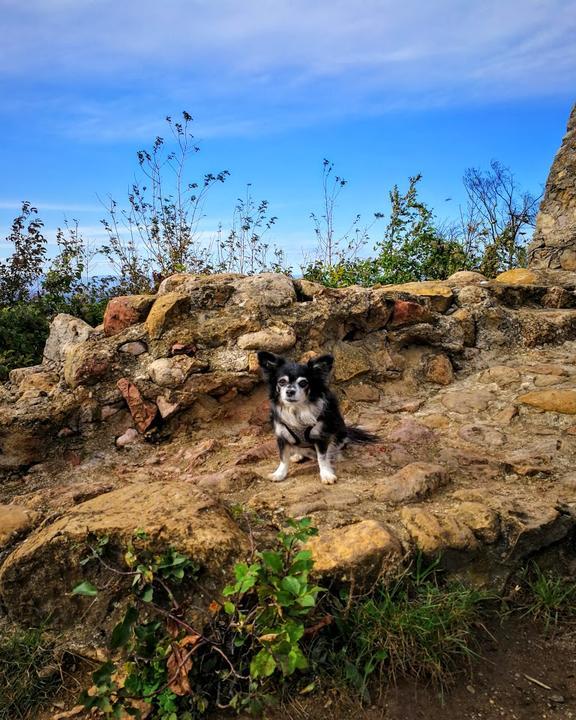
(23, 332)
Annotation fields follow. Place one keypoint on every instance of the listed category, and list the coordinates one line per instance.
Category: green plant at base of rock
(270, 601)
(415, 626)
(548, 595)
(161, 663)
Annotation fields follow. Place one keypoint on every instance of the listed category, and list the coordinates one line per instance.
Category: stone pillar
(554, 242)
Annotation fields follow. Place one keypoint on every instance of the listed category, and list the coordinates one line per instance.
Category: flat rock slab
(37, 578)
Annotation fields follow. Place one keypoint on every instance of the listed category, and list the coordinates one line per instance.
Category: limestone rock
(410, 431)
(36, 579)
(87, 363)
(438, 369)
(366, 547)
(65, 330)
(560, 401)
(466, 277)
(172, 372)
(481, 519)
(15, 521)
(349, 361)
(164, 312)
(272, 339)
(554, 241)
(414, 481)
(124, 311)
(272, 290)
(434, 533)
(532, 528)
(518, 276)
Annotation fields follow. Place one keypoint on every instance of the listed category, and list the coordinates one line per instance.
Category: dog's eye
(303, 383)
(282, 382)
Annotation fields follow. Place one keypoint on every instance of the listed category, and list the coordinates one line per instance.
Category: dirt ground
(501, 685)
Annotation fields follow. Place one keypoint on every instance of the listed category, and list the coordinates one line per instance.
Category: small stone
(471, 689)
(548, 380)
(465, 402)
(107, 411)
(559, 401)
(414, 481)
(410, 431)
(173, 371)
(272, 339)
(362, 392)
(557, 698)
(438, 369)
(165, 407)
(66, 432)
(481, 435)
(133, 348)
(500, 374)
(506, 415)
(183, 349)
(435, 421)
(127, 438)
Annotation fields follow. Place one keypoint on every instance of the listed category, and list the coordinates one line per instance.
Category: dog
(305, 414)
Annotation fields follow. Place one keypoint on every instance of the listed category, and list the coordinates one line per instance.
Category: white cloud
(259, 65)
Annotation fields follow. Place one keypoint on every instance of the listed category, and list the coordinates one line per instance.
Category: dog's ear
(321, 365)
(269, 362)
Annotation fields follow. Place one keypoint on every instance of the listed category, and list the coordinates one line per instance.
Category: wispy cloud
(248, 67)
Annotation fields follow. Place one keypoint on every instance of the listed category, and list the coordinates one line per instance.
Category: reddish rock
(183, 349)
(256, 454)
(414, 481)
(406, 312)
(198, 454)
(124, 311)
(143, 411)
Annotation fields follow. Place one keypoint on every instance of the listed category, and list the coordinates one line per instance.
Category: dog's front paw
(297, 457)
(278, 475)
(328, 477)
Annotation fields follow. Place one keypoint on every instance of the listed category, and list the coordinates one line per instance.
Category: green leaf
(148, 594)
(229, 608)
(122, 631)
(103, 674)
(273, 560)
(306, 601)
(85, 588)
(291, 585)
(263, 665)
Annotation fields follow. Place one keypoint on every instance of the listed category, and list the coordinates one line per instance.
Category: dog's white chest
(293, 423)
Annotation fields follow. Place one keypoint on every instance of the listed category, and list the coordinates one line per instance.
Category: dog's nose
(290, 392)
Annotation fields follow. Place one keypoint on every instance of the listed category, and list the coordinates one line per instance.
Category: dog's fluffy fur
(305, 414)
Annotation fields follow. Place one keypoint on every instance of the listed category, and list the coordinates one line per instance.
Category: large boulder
(36, 580)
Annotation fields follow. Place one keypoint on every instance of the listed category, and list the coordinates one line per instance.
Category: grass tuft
(24, 657)
(549, 597)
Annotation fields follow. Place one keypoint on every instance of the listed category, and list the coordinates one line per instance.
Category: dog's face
(293, 383)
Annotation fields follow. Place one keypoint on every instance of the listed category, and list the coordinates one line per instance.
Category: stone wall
(554, 242)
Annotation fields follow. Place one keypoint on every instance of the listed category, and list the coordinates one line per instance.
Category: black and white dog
(305, 414)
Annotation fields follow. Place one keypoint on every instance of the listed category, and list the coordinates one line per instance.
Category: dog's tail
(355, 434)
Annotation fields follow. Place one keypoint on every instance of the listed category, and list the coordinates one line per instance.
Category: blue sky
(383, 89)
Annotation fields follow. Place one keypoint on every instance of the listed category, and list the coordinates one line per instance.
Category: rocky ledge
(158, 418)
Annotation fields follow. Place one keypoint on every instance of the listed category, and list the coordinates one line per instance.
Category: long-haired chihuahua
(305, 414)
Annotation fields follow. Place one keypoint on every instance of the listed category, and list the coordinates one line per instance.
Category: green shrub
(23, 332)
